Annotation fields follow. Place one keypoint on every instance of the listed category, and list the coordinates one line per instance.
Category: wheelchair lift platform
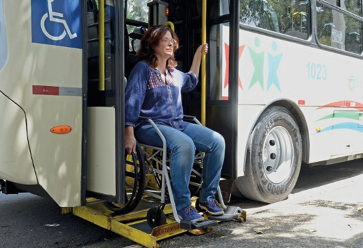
(135, 226)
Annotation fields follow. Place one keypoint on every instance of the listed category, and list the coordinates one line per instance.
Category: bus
(282, 83)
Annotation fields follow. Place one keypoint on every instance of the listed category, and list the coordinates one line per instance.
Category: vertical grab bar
(101, 39)
(203, 74)
(171, 25)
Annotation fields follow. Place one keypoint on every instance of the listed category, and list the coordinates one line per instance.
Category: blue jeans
(183, 145)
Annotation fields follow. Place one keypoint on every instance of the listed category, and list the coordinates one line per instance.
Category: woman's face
(165, 47)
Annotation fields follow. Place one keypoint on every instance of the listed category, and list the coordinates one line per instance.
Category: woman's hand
(198, 58)
(203, 47)
(130, 141)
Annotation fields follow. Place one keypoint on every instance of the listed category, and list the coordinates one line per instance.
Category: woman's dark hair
(150, 40)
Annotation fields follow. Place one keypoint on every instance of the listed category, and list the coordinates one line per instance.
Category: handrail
(101, 38)
(171, 25)
(203, 73)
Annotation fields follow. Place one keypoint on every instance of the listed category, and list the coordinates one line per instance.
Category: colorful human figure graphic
(226, 79)
(273, 65)
(258, 62)
(3, 40)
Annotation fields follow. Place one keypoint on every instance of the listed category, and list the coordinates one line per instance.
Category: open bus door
(105, 111)
(41, 99)
(61, 138)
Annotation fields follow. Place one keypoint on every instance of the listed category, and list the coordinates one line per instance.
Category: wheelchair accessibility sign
(3, 39)
(57, 22)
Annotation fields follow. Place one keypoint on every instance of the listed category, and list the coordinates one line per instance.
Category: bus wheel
(134, 184)
(273, 157)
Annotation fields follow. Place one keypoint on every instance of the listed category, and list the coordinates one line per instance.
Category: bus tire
(274, 157)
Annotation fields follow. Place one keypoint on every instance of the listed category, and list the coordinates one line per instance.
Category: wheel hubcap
(278, 155)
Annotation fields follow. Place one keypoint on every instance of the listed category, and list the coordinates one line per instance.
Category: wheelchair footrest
(230, 213)
(190, 225)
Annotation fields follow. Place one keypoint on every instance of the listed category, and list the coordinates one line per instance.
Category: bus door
(224, 83)
(41, 98)
(105, 170)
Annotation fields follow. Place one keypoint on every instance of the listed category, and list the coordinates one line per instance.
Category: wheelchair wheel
(155, 217)
(134, 182)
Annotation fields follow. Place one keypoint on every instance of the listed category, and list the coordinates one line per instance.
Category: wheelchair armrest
(191, 118)
(157, 131)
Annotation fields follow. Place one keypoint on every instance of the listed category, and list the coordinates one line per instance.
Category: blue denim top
(148, 96)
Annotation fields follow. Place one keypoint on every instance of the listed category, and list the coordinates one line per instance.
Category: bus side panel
(332, 134)
(327, 86)
(15, 160)
(45, 79)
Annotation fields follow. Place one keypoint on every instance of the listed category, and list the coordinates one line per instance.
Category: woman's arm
(198, 58)
(134, 97)
(130, 141)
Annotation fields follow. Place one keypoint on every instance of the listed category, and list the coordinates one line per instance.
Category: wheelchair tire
(155, 217)
(135, 172)
(274, 157)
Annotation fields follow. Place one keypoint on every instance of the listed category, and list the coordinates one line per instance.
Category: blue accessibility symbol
(3, 39)
(57, 22)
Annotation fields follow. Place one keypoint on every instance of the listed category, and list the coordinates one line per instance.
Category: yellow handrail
(171, 25)
(203, 74)
(101, 39)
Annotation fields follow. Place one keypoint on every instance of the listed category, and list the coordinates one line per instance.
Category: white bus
(284, 86)
(299, 91)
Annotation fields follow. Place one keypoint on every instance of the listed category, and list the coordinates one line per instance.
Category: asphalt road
(324, 210)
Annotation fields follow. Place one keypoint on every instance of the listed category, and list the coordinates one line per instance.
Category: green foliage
(138, 10)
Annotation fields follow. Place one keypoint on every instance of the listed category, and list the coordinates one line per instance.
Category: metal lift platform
(134, 225)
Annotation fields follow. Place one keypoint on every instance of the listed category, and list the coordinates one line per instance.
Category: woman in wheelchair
(154, 92)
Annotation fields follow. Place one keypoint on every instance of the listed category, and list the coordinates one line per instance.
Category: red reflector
(301, 102)
(45, 90)
(61, 129)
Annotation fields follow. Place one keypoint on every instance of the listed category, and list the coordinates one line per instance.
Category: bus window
(137, 19)
(137, 11)
(339, 30)
(219, 8)
(218, 89)
(290, 17)
(353, 6)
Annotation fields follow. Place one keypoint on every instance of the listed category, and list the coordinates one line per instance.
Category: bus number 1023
(316, 71)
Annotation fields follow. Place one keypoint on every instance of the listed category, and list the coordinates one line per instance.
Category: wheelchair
(152, 164)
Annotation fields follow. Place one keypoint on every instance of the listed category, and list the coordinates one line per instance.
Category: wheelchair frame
(166, 182)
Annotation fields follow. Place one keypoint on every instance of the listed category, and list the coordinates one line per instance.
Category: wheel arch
(299, 117)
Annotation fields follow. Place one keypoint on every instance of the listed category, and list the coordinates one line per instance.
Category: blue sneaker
(190, 213)
(211, 206)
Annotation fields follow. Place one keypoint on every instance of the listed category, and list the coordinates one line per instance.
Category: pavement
(324, 210)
